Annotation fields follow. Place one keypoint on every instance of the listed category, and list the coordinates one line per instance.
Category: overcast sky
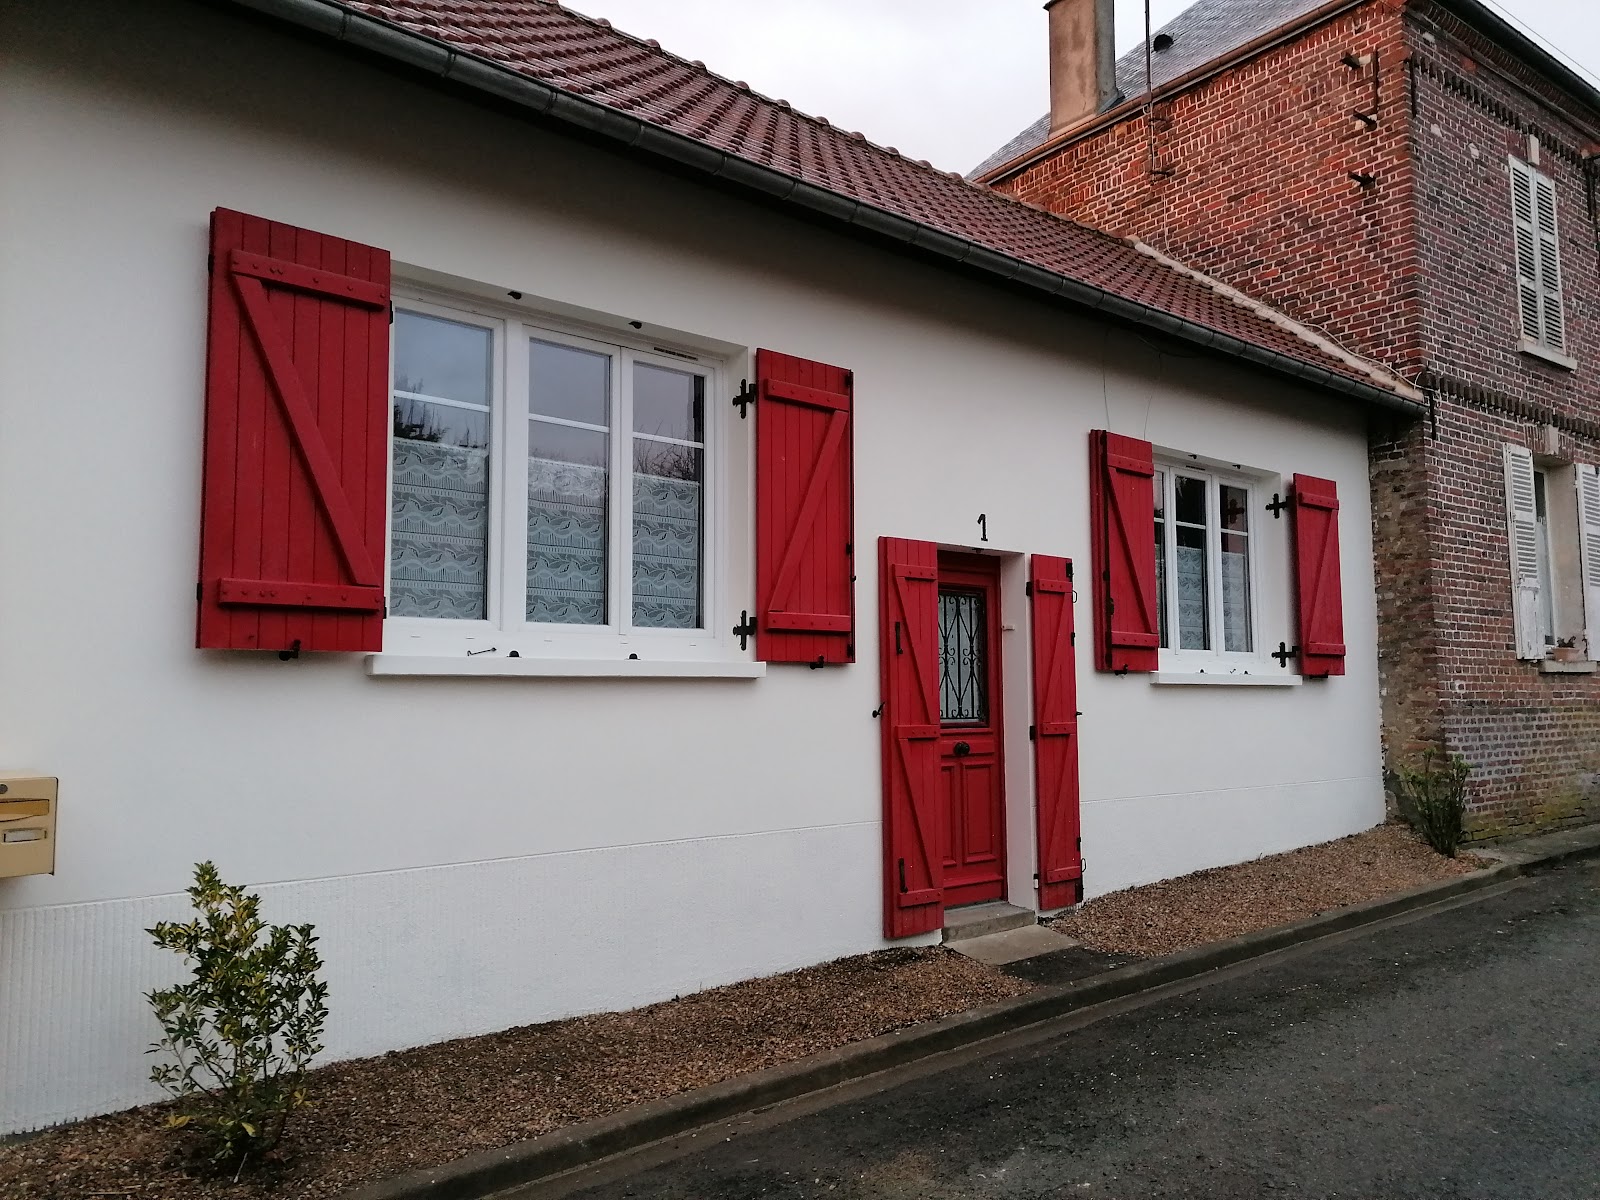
(945, 80)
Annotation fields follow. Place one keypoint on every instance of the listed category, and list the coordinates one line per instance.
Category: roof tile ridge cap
(1306, 333)
(695, 65)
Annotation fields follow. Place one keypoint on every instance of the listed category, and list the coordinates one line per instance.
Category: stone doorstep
(980, 920)
(1013, 945)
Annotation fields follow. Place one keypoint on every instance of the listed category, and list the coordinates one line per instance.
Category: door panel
(972, 793)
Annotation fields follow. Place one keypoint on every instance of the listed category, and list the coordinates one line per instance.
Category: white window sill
(487, 667)
(1552, 666)
(1540, 350)
(1219, 679)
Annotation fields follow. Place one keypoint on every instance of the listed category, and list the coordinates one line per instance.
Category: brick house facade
(1352, 167)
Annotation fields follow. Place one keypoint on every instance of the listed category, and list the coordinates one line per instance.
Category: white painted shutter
(1523, 519)
(1554, 318)
(1533, 213)
(1589, 542)
(1527, 233)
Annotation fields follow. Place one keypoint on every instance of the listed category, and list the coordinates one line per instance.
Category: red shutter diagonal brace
(913, 869)
(294, 507)
(805, 525)
(1318, 588)
(1055, 746)
(1122, 541)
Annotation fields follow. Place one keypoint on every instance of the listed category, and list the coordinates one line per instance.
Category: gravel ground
(1173, 915)
(1454, 1057)
(381, 1116)
(378, 1117)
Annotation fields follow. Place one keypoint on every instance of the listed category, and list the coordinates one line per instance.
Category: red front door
(972, 791)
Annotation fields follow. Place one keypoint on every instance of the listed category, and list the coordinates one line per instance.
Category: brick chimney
(1083, 61)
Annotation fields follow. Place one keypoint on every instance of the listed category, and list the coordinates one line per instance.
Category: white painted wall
(484, 853)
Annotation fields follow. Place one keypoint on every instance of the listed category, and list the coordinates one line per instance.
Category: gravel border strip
(486, 1172)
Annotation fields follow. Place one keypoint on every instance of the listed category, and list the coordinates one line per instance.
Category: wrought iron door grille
(963, 658)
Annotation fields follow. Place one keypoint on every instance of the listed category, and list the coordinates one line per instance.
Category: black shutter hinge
(1279, 503)
(199, 592)
(902, 875)
(1033, 733)
(391, 312)
(1074, 636)
(1027, 589)
(745, 629)
(745, 398)
(1069, 570)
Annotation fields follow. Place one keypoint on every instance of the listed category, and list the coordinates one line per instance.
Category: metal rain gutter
(371, 35)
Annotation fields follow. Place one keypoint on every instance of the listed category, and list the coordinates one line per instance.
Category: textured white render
(482, 853)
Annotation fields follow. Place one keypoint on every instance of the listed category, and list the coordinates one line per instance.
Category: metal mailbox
(27, 825)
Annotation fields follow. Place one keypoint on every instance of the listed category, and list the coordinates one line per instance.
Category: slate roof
(587, 58)
(1201, 33)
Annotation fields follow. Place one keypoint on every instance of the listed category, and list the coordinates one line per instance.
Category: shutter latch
(745, 629)
(745, 398)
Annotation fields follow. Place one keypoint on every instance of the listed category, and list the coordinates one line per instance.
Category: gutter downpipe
(368, 34)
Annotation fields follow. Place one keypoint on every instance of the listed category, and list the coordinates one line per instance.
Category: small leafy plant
(1434, 799)
(241, 1032)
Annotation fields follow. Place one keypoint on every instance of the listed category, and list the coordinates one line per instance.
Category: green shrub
(1434, 799)
(241, 1032)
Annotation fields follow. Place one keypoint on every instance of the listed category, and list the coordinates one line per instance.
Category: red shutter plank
(805, 526)
(1055, 731)
(1122, 542)
(294, 511)
(1318, 591)
(908, 641)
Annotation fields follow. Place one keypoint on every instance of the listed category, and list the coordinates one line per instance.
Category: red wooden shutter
(1316, 576)
(913, 868)
(805, 517)
(294, 511)
(1055, 731)
(1122, 517)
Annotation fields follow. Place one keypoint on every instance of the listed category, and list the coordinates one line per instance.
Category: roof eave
(1502, 32)
(331, 20)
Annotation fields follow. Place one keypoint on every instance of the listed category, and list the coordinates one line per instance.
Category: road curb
(486, 1172)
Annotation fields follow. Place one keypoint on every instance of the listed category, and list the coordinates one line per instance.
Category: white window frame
(1255, 661)
(506, 629)
(1536, 263)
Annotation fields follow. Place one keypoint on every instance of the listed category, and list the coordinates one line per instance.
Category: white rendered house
(641, 530)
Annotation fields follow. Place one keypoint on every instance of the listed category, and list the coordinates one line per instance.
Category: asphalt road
(1457, 1056)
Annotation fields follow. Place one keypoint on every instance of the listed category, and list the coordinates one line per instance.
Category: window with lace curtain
(1205, 562)
(549, 489)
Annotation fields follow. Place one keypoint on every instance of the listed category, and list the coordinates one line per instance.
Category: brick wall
(1253, 186)
(1259, 190)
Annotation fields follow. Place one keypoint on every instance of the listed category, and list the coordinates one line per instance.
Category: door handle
(961, 749)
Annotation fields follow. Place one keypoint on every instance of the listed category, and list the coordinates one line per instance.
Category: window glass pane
(963, 658)
(1161, 553)
(1193, 584)
(1190, 503)
(439, 553)
(568, 483)
(668, 501)
(1235, 503)
(445, 359)
(667, 403)
(568, 383)
(1547, 606)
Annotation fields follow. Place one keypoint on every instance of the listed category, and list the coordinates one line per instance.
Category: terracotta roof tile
(584, 56)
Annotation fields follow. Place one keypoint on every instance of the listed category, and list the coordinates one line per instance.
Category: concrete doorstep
(486, 1172)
